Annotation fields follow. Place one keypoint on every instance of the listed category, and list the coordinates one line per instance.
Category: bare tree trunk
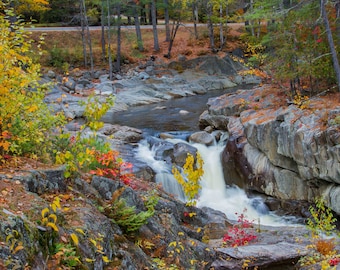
(251, 23)
(83, 38)
(337, 10)
(109, 39)
(103, 32)
(154, 25)
(195, 16)
(221, 27)
(167, 19)
(210, 26)
(137, 26)
(86, 37)
(89, 40)
(226, 24)
(119, 37)
(175, 26)
(259, 29)
(330, 42)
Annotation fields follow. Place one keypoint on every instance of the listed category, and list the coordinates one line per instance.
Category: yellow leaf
(53, 226)
(105, 259)
(44, 212)
(9, 237)
(192, 262)
(74, 238)
(53, 217)
(33, 108)
(80, 231)
(44, 220)
(19, 247)
(93, 242)
(180, 233)
(174, 244)
(89, 260)
(199, 229)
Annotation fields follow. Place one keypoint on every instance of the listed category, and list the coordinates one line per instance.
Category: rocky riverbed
(262, 154)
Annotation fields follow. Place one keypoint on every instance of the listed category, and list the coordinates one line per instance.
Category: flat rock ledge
(259, 256)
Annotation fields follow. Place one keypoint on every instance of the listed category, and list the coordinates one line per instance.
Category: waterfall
(215, 194)
(161, 168)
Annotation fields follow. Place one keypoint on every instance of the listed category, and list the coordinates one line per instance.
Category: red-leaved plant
(238, 235)
(334, 261)
(110, 165)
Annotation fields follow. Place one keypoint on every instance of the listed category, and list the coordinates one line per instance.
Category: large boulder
(202, 137)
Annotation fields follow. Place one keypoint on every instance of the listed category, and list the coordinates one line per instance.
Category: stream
(169, 117)
(181, 114)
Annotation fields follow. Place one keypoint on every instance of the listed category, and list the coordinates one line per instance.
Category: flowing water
(181, 114)
(215, 194)
(166, 117)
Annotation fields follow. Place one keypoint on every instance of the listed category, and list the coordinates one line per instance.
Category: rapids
(215, 193)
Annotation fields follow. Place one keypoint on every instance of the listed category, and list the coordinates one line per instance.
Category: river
(181, 114)
(180, 117)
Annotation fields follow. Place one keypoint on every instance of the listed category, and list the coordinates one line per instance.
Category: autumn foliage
(25, 120)
(110, 165)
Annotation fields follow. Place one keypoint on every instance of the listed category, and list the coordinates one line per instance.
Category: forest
(295, 41)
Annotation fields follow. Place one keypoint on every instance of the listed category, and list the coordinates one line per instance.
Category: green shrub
(126, 216)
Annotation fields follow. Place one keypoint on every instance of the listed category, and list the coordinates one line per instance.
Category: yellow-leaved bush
(25, 120)
(190, 178)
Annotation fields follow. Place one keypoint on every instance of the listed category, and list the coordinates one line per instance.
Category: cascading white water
(161, 168)
(215, 194)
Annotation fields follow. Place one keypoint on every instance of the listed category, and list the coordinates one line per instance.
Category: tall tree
(86, 36)
(109, 38)
(137, 26)
(209, 8)
(194, 6)
(119, 36)
(102, 23)
(178, 12)
(154, 25)
(167, 20)
(330, 41)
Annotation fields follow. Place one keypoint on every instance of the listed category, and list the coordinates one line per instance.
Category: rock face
(284, 152)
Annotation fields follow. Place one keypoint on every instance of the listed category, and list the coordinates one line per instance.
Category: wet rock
(180, 153)
(122, 133)
(202, 137)
(215, 121)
